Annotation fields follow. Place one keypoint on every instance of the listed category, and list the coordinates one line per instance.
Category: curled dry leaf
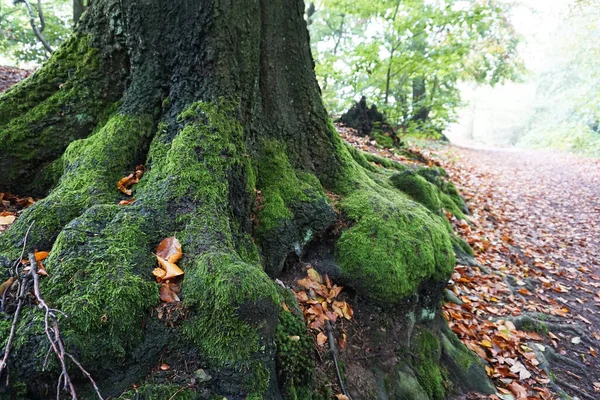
(171, 269)
(170, 249)
(125, 184)
(341, 397)
(159, 273)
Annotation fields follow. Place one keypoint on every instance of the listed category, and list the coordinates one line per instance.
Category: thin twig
(13, 328)
(330, 338)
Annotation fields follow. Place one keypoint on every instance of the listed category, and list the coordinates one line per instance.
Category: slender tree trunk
(219, 101)
(78, 9)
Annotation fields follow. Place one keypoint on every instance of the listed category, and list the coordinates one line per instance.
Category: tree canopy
(408, 56)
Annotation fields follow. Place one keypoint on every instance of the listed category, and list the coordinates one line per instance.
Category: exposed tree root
(28, 281)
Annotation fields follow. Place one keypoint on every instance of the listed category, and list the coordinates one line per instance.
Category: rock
(202, 376)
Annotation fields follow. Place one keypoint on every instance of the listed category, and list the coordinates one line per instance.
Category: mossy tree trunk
(219, 100)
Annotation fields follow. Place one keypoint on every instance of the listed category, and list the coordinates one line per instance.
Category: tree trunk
(78, 9)
(218, 99)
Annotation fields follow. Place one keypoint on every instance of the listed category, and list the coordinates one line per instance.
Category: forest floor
(535, 228)
(10, 75)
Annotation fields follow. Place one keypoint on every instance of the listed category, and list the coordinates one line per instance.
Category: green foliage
(408, 56)
(17, 39)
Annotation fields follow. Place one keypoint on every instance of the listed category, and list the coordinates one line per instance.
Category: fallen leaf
(321, 339)
(171, 269)
(7, 220)
(159, 273)
(341, 397)
(314, 276)
(342, 341)
(169, 249)
(4, 287)
(167, 295)
(165, 367)
(127, 202)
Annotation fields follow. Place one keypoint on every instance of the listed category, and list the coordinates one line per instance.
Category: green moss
(98, 275)
(428, 350)
(151, 391)
(291, 206)
(39, 117)
(449, 196)
(418, 189)
(91, 169)
(535, 326)
(294, 362)
(383, 140)
(394, 245)
(229, 297)
(460, 245)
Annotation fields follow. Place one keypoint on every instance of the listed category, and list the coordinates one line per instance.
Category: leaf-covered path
(535, 303)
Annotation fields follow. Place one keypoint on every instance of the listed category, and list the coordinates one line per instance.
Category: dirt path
(536, 231)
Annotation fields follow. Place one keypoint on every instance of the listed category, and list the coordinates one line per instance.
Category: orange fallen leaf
(169, 249)
(165, 367)
(341, 397)
(127, 202)
(4, 287)
(342, 341)
(171, 269)
(126, 183)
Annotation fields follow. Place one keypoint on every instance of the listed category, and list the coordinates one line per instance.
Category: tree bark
(218, 99)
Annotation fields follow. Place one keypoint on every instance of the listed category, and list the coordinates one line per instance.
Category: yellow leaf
(314, 276)
(159, 273)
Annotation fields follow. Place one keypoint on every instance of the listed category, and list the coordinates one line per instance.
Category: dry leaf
(171, 269)
(159, 273)
(4, 287)
(169, 249)
(341, 397)
(321, 339)
(7, 219)
(167, 295)
(342, 341)
(127, 202)
(314, 276)
(165, 367)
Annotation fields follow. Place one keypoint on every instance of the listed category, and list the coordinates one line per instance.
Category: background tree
(30, 30)
(408, 56)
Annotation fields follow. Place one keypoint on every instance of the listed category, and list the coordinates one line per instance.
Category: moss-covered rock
(159, 392)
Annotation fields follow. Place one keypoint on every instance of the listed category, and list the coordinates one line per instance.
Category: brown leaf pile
(318, 299)
(10, 207)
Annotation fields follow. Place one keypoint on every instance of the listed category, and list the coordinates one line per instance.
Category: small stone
(202, 376)
(576, 340)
